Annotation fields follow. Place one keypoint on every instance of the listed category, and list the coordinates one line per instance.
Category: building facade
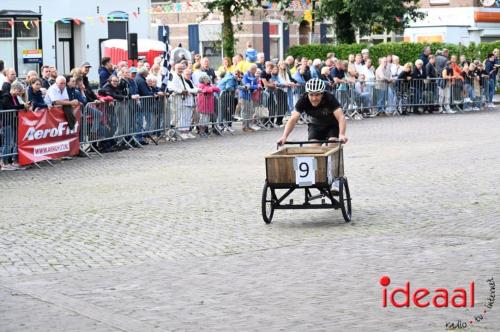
(457, 22)
(268, 29)
(67, 32)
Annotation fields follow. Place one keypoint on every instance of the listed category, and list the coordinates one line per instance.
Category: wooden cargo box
(282, 166)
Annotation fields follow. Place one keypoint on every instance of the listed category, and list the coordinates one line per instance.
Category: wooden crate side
(281, 170)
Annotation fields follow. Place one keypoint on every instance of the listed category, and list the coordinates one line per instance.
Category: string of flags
(188, 6)
(198, 6)
(31, 24)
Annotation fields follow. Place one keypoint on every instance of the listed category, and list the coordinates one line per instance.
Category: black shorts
(322, 133)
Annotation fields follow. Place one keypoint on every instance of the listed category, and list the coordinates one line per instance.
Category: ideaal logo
(462, 297)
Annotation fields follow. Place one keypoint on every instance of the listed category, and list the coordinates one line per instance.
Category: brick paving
(171, 238)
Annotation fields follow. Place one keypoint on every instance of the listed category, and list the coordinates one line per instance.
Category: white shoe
(190, 135)
(8, 168)
(184, 136)
(467, 100)
(475, 108)
(254, 127)
(230, 129)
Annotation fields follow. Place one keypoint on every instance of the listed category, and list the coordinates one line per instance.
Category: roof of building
(10, 13)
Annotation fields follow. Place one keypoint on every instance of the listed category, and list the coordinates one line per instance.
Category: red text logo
(400, 297)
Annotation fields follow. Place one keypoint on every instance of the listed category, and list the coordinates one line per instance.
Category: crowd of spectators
(245, 83)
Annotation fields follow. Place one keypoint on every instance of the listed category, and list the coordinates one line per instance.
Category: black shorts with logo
(321, 133)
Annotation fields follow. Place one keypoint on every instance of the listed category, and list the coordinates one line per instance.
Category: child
(206, 102)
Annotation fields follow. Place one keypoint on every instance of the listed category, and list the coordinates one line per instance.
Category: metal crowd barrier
(413, 95)
(8, 135)
(130, 122)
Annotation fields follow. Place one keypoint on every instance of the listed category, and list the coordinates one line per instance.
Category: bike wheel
(345, 199)
(267, 204)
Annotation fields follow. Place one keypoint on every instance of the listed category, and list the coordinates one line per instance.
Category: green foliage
(368, 15)
(407, 52)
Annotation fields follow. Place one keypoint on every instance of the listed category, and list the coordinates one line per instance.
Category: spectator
(35, 95)
(383, 89)
(491, 68)
(363, 93)
(290, 66)
(287, 83)
(358, 65)
(113, 89)
(418, 75)
(338, 75)
(396, 68)
(89, 92)
(307, 71)
(228, 86)
(105, 71)
(45, 77)
(2, 76)
(184, 120)
(441, 60)
(10, 77)
(250, 84)
(206, 102)
(196, 74)
(142, 87)
(403, 88)
(205, 67)
(12, 100)
(424, 56)
(29, 76)
(225, 68)
(365, 55)
(325, 77)
(261, 61)
(53, 75)
(445, 88)
(156, 72)
(431, 87)
(57, 94)
(316, 68)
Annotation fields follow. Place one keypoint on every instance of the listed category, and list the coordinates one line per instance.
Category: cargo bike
(311, 168)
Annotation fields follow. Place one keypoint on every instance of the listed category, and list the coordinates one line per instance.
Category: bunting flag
(37, 23)
(26, 25)
(77, 21)
(101, 18)
(135, 14)
(11, 23)
(90, 19)
(178, 7)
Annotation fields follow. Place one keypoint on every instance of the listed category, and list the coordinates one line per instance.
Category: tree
(364, 15)
(232, 9)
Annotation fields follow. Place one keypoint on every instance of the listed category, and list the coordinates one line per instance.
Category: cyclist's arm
(339, 115)
(290, 125)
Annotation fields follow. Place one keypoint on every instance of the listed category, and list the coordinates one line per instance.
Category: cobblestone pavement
(170, 238)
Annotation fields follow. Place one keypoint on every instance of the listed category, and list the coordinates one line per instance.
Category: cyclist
(327, 120)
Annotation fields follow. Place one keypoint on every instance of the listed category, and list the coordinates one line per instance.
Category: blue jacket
(228, 83)
(251, 83)
(75, 94)
(142, 86)
(490, 69)
(104, 74)
(132, 87)
(36, 98)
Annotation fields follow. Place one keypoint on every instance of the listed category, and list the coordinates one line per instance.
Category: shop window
(26, 31)
(5, 29)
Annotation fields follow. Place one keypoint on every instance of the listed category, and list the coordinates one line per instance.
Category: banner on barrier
(46, 134)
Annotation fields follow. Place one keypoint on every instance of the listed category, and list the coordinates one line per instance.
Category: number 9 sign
(305, 171)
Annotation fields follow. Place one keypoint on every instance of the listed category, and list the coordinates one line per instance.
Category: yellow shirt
(230, 69)
(244, 66)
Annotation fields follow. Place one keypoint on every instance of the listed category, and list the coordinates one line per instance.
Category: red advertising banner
(45, 134)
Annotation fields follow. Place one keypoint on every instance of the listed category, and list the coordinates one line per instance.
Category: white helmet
(315, 85)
